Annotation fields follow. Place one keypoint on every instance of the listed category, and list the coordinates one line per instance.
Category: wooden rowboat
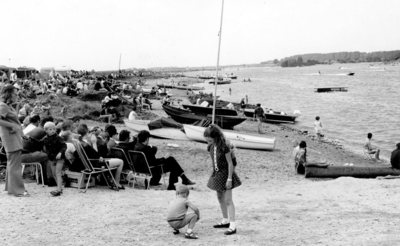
(240, 140)
(200, 110)
(187, 117)
(169, 133)
(275, 117)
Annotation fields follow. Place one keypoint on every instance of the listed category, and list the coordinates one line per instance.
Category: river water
(372, 103)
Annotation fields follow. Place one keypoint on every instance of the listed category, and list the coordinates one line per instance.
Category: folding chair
(141, 167)
(37, 166)
(90, 169)
(120, 154)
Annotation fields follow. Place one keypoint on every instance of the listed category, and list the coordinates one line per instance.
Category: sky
(91, 34)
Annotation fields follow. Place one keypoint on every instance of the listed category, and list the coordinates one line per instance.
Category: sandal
(176, 232)
(121, 187)
(25, 194)
(230, 232)
(56, 193)
(220, 225)
(191, 235)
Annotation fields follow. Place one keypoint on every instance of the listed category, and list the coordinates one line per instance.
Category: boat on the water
(200, 110)
(350, 74)
(185, 116)
(162, 128)
(273, 116)
(240, 140)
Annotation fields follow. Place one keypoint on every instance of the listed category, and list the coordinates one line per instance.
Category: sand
(274, 206)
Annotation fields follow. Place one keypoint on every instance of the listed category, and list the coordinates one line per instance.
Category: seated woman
(300, 159)
(92, 154)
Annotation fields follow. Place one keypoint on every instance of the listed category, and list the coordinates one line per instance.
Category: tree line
(341, 57)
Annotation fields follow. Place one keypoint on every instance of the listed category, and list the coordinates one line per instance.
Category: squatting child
(54, 146)
(177, 217)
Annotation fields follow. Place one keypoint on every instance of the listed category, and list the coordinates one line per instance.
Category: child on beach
(54, 147)
(318, 128)
(223, 178)
(177, 217)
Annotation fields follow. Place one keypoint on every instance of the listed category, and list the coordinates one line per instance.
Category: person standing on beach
(11, 132)
(259, 114)
(242, 105)
(318, 127)
(369, 149)
(230, 91)
(247, 100)
(223, 178)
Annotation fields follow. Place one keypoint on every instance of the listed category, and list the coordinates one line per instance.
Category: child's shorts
(178, 224)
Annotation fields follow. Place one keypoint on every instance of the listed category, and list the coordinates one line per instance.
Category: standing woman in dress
(11, 132)
(223, 178)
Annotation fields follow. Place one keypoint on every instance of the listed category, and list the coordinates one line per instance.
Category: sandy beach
(274, 206)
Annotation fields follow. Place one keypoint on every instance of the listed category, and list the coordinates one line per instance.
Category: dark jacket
(127, 146)
(395, 159)
(52, 145)
(91, 153)
(31, 143)
(149, 152)
(102, 148)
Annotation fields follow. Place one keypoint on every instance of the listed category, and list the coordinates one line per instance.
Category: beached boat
(240, 140)
(188, 87)
(200, 110)
(185, 116)
(350, 171)
(273, 116)
(165, 86)
(166, 130)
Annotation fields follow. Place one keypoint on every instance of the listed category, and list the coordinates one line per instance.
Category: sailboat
(240, 140)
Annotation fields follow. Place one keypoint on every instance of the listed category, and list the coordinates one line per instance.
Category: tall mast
(216, 77)
(119, 66)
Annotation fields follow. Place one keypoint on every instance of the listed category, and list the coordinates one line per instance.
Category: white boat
(240, 140)
(169, 133)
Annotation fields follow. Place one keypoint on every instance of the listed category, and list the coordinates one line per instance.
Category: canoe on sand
(350, 171)
(168, 132)
(240, 140)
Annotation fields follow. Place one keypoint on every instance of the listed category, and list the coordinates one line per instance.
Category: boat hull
(187, 117)
(200, 110)
(168, 133)
(184, 87)
(240, 140)
(272, 118)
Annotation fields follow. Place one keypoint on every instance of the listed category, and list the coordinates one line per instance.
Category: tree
(275, 61)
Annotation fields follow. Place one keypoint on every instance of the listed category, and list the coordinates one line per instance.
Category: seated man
(369, 149)
(170, 164)
(395, 157)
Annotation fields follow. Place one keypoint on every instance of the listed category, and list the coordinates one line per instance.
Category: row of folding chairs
(136, 164)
